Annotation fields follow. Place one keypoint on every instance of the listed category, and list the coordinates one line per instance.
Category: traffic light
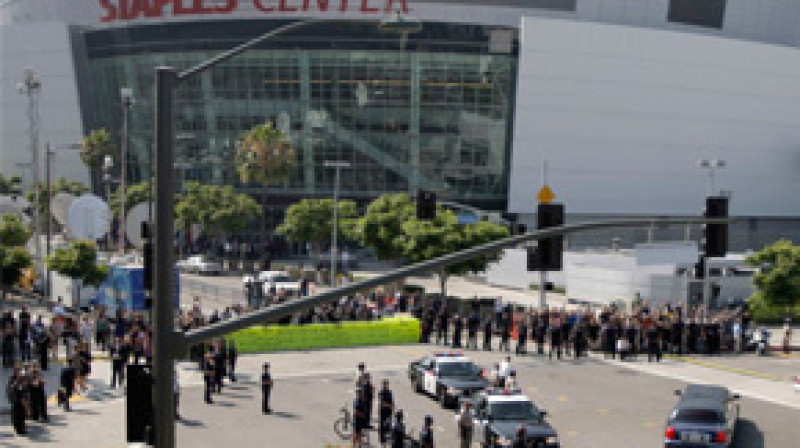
(426, 205)
(139, 404)
(548, 253)
(715, 236)
(700, 268)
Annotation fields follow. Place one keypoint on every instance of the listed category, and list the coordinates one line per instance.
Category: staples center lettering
(122, 10)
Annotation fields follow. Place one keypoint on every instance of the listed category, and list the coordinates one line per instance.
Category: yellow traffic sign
(546, 195)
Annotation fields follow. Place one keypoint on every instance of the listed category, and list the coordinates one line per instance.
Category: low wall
(396, 330)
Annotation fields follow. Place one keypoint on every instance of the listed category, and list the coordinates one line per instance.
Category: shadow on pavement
(288, 415)
(239, 396)
(748, 435)
(191, 423)
(224, 404)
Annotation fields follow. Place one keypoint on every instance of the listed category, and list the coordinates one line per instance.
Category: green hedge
(396, 330)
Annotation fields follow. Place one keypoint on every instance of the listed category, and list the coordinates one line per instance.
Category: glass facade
(432, 112)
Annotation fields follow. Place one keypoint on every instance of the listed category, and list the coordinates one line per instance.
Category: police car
(498, 414)
(446, 376)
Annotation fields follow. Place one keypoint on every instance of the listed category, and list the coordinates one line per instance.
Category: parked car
(705, 417)
(200, 264)
(284, 283)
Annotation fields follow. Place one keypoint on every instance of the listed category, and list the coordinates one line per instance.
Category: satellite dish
(88, 217)
(13, 205)
(59, 207)
(133, 223)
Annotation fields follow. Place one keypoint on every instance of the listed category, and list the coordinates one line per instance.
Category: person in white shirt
(503, 370)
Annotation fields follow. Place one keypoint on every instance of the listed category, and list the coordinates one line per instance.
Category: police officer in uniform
(266, 389)
(653, 343)
(458, 328)
(233, 354)
(386, 403)
(473, 322)
(487, 334)
(522, 335)
(555, 341)
(426, 435)
(444, 321)
(208, 376)
(505, 333)
(398, 431)
(38, 398)
(20, 402)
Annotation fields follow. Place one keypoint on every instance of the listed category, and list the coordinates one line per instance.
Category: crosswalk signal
(715, 236)
(426, 205)
(548, 254)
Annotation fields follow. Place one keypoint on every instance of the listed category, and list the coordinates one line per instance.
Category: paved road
(592, 403)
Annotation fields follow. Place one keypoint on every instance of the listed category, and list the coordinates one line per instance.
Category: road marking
(572, 433)
(739, 370)
(602, 411)
(440, 429)
(686, 379)
(649, 425)
(563, 398)
(75, 398)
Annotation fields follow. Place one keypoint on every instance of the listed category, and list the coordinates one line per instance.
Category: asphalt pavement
(592, 403)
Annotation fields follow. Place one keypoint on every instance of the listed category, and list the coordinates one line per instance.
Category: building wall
(45, 47)
(622, 115)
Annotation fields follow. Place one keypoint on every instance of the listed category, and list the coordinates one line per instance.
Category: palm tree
(264, 157)
(96, 146)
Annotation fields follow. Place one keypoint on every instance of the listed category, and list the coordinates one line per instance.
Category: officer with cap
(398, 430)
(386, 402)
(426, 435)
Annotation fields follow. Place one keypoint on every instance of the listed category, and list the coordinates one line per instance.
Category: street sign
(546, 195)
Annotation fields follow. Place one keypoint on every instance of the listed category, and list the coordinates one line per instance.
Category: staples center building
(621, 98)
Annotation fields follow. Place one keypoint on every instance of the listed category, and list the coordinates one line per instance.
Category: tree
(134, 194)
(311, 221)
(13, 231)
(381, 226)
(14, 234)
(96, 146)
(264, 157)
(215, 208)
(778, 282)
(11, 186)
(79, 262)
(427, 239)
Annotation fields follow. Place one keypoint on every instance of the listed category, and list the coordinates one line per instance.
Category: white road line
(687, 379)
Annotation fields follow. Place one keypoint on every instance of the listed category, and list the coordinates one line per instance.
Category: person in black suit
(38, 398)
(208, 376)
(68, 375)
(266, 389)
(233, 353)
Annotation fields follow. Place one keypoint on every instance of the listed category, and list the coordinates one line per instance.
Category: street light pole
(126, 95)
(335, 234)
(31, 86)
(47, 156)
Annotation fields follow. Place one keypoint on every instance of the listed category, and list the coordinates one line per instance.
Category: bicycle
(344, 426)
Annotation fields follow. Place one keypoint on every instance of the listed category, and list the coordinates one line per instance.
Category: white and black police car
(448, 377)
(499, 413)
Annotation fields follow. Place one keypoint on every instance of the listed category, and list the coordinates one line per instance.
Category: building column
(207, 92)
(413, 125)
(306, 143)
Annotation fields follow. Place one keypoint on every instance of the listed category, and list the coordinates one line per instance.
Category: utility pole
(335, 234)
(31, 86)
(48, 154)
(543, 272)
(126, 95)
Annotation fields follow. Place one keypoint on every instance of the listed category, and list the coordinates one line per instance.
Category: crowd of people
(557, 332)
(29, 346)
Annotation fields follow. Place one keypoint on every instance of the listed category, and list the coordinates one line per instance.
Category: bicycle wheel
(343, 428)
